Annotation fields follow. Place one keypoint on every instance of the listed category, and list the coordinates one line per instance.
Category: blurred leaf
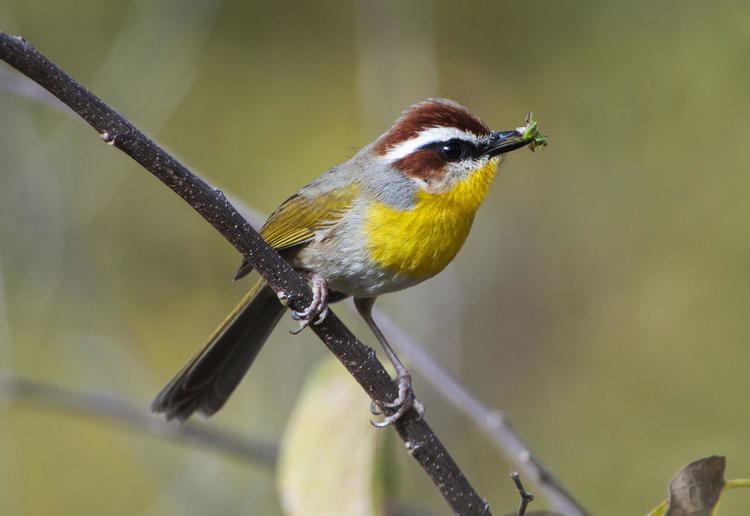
(330, 454)
(696, 489)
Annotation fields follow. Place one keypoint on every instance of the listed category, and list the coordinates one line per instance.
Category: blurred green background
(601, 299)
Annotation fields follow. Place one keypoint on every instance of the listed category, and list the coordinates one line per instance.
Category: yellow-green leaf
(661, 509)
(330, 454)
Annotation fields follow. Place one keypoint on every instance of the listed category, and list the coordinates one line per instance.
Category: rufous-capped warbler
(392, 216)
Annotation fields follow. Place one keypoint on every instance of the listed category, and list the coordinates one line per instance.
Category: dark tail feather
(205, 383)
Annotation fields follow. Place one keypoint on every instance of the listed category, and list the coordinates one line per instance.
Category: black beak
(505, 141)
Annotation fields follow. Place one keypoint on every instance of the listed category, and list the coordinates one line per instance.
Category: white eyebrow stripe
(427, 136)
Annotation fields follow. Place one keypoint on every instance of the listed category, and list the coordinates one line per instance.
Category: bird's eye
(451, 151)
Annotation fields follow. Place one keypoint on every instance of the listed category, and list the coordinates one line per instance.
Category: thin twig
(493, 423)
(211, 203)
(117, 410)
(526, 497)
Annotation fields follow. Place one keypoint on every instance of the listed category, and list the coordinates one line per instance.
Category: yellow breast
(420, 242)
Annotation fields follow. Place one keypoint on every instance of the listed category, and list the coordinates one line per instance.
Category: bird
(392, 216)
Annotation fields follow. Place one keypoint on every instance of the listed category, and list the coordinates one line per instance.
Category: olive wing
(297, 220)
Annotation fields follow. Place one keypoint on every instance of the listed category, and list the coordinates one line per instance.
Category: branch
(526, 497)
(117, 410)
(494, 423)
(213, 206)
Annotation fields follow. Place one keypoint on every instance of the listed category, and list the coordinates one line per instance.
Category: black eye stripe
(467, 149)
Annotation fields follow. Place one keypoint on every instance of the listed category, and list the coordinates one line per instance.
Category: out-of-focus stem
(125, 414)
(492, 422)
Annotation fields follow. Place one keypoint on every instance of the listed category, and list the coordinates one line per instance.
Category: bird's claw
(317, 310)
(405, 401)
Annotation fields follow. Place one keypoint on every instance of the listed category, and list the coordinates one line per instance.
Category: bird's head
(438, 142)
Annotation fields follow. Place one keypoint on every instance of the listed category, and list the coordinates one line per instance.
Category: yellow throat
(420, 242)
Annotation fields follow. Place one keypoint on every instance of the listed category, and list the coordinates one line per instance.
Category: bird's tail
(205, 383)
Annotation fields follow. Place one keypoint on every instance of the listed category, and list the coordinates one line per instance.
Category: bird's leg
(318, 307)
(405, 399)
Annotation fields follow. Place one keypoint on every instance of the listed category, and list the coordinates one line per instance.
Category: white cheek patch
(425, 137)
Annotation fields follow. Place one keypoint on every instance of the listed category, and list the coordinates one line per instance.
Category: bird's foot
(318, 307)
(405, 401)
